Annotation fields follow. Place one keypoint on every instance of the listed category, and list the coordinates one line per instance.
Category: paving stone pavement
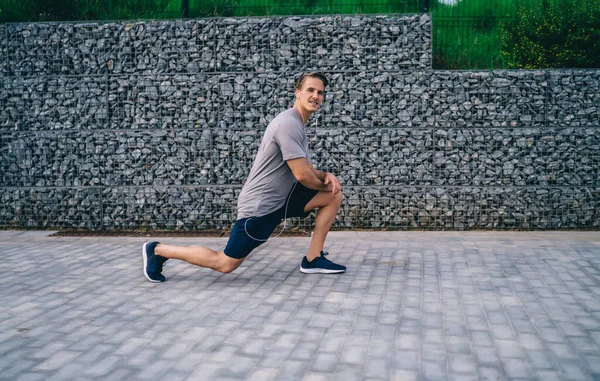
(412, 306)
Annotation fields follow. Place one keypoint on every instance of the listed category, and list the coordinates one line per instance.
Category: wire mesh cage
(155, 125)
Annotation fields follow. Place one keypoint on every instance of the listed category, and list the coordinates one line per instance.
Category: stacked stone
(574, 98)
(461, 157)
(155, 125)
(459, 208)
(41, 103)
(53, 49)
(489, 99)
(109, 208)
(3, 50)
(249, 45)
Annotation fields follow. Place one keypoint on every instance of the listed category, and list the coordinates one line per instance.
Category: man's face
(310, 96)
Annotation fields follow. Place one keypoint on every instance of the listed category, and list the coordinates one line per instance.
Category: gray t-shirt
(271, 179)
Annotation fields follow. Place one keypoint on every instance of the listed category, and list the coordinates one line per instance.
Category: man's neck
(303, 115)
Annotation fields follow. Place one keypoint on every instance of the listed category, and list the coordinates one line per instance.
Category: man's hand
(332, 183)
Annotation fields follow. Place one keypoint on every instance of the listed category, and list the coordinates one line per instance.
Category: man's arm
(320, 174)
(312, 178)
(328, 178)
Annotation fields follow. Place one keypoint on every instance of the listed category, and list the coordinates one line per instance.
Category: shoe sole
(320, 271)
(146, 264)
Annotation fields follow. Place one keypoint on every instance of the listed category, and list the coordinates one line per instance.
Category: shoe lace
(323, 254)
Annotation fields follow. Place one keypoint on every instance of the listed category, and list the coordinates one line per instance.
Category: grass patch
(458, 47)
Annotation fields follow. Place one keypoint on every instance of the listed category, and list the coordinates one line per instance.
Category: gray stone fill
(155, 125)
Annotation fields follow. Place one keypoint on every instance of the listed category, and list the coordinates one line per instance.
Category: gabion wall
(155, 125)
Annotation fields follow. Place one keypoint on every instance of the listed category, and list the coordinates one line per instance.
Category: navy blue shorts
(249, 233)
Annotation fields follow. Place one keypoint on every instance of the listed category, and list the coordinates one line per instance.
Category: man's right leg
(200, 256)
(240, 244)
(155, 255)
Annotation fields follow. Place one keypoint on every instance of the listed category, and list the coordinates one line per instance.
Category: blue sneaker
(321, 265)
(153, 263)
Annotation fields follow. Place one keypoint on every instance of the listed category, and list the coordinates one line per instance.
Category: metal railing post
(185, 9)
(425, 6)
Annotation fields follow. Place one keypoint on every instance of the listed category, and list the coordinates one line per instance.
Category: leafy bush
(563, 34)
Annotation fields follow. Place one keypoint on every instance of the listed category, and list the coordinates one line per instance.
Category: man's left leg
(315, 261)
(328, 205)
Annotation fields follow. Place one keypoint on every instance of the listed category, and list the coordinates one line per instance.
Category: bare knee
(324, 199)
(228, 264)
(337, 198)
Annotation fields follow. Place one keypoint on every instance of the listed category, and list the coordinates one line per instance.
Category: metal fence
(40, 10)
(301, 7)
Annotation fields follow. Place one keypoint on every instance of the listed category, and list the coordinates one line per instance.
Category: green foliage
(38, 10)
(466, 35)
(460, 47)
(139, 9)
(213, 8)
(480, 15)
(310, 7)
(73, 10)
(563, 34)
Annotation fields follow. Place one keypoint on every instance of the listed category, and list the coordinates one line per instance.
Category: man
(282, 184)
